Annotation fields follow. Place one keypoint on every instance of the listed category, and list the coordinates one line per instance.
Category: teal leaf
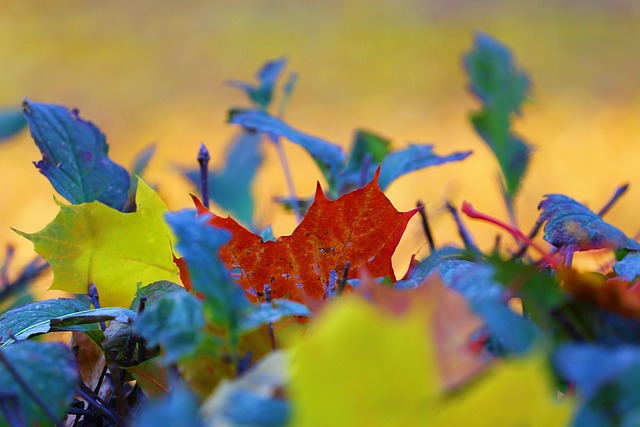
(571, 227)
(230, 185)
(429, 266)
(75, 321)
(153, 292)
(74, 156)
(178, 409)
(49, 369)
(262, 93)
(264, 313)
(628, 268)
(502, 88)
(173, 322)
(21, 318)
(11, 122)
(199, 244)
(412, 158)
(509, 331)
(328, 156)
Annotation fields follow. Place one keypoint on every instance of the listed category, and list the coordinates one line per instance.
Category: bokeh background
(153, 71)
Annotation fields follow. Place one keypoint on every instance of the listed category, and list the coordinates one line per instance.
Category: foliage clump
(192, 318)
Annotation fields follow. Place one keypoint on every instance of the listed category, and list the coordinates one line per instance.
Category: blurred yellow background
(153, 72)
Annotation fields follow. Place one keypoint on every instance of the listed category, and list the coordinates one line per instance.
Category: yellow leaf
(366, 365)
(92, 242)
(363, 366)
(517, 394)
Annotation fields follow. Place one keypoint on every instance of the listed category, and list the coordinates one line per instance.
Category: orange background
(153, 71)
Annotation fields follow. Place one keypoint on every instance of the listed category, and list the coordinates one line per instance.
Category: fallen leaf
(93, 243)
(361, 227)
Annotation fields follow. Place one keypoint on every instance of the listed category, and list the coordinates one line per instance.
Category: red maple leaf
(361, 227)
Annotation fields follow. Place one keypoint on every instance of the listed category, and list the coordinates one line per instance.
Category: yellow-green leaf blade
(92, 242)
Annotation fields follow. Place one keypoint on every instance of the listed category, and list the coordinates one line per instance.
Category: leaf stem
(618, 193)
(27, 389)
(272, 334)
(425, 225)
(4, 277)
(289, 179)
(462, 230)
(468, 210)
(343, 280)
(203, 161)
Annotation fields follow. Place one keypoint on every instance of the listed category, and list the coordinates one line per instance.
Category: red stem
(468, 210)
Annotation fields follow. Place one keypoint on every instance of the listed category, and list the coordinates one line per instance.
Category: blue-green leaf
(328, 156)
(11, 122)
(629, 267)
(173, 322)
(412, 158)
(50, 369)
(199, 244)
(502, 88)
(74, 156)
(264, 313)
(262, 93)
(179, 408)
(20, 318)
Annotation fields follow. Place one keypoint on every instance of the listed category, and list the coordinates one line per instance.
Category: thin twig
(272, 333)
(4, 276)
(425, 225)
(462, 230)
(203, 160)
(618, 193)
(289, 179)
(28, 275)
(98, 404)
(94, 298)
(27, 389)
(525, 245)
(343, 280)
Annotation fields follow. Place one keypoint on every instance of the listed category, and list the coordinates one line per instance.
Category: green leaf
(502, 88)
(367, 145)
(20, 318)
(74, 156)
(153, 292)
(199, 244)
(11, 122)
(49, 369)
(173, 322)
(116, 251)
(73, 322)
(264, 313)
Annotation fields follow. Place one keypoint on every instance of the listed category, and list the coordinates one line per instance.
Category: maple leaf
(92, 242)
(361, 227)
